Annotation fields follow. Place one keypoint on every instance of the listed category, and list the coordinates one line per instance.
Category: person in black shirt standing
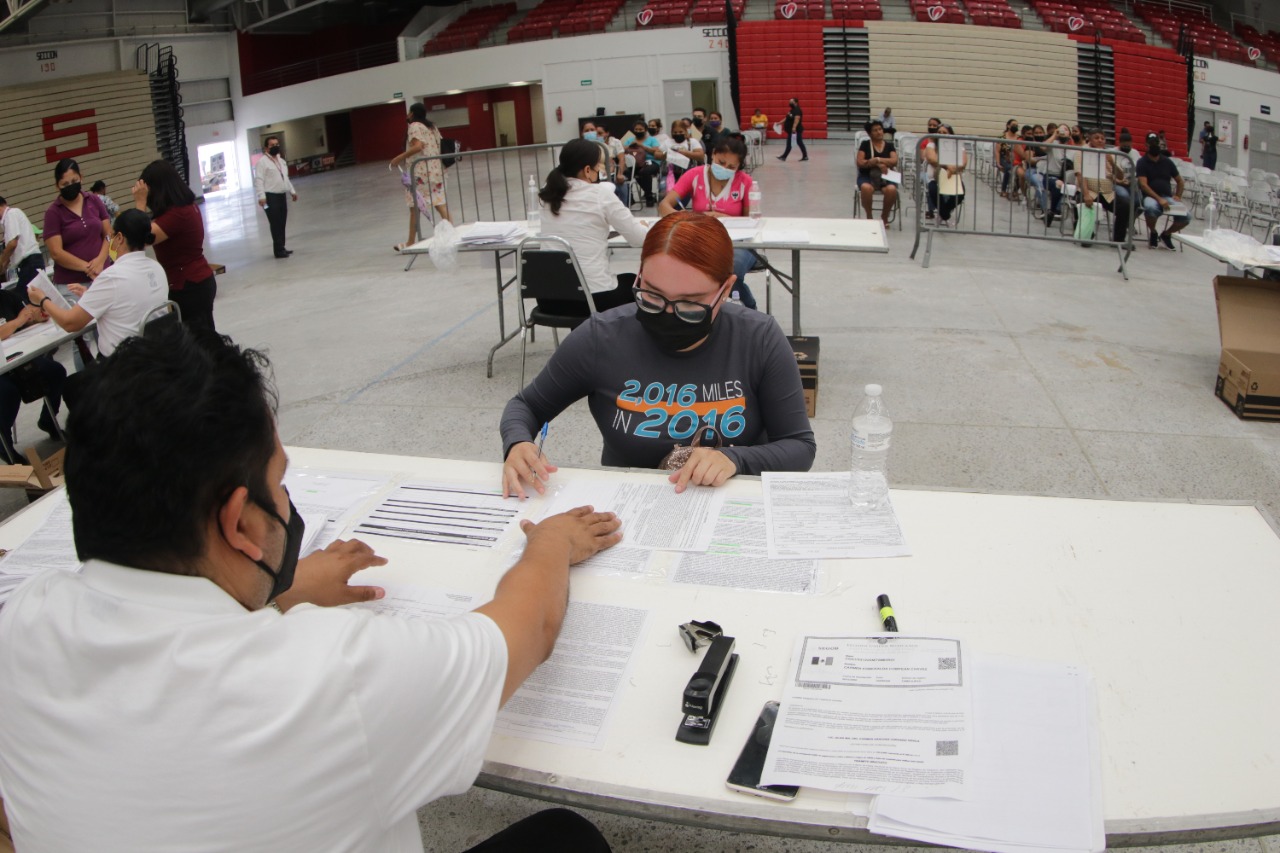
(1157, 175)
(1209, 146)
(793, 127)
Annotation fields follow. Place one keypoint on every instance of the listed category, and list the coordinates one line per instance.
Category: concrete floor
(1009, 365)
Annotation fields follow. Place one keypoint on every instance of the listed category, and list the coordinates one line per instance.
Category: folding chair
(548, 270)
(162, 316)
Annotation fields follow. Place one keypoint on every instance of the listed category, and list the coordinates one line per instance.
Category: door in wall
(504, 123)
(1264, 145)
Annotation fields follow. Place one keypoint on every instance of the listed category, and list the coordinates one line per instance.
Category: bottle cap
(873, 390)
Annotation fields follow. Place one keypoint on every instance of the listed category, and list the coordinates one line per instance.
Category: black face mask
(282, 578)
(70, 191)
(672, 334)
(677, 137)
(697, 122)
(639, 134)
(274, 150)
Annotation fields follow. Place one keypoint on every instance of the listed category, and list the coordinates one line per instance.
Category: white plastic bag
(444, 246)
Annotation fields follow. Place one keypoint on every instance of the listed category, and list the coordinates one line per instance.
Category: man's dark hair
(266, 143)
(98, 187)
(2, 201)
(163, 432)
(932, 118)
(165, 188)
(702, 110)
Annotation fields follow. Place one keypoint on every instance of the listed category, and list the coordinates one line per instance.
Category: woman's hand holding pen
(706, 467)
(525, 464)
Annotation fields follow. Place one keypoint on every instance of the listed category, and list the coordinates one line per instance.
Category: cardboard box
(1249, 323)
(807, 350)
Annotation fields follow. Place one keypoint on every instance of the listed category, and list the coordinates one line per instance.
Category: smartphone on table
(745, 775)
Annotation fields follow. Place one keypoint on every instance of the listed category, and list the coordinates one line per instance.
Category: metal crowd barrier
(984, 212)
(487, 185)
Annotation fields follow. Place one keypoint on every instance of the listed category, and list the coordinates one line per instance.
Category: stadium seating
(859, 10)
(1207, 38)
(1087, 17)
(712, 11)
(542, 20)
(993, 13)
(469, 30)
(1267, 44)
(938, 11)
(590, 17)
(790, 10)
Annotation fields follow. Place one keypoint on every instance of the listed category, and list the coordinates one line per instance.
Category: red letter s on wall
(52, 154)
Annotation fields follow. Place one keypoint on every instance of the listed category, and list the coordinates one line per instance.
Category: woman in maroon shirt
(76, 229)
(179, 245)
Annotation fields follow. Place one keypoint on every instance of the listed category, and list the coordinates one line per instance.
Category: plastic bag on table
(444, 246)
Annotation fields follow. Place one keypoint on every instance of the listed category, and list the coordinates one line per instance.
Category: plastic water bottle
(734, 299)
(533, 206)
(1211, 212)
(753, 200)
(872, 429)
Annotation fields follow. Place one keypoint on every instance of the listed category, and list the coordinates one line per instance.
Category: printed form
(874, 715)
(571, 697)
(810, 517)
(333, 495)
(738, 556)
(410, 601)
(50, 546)
(653, 515)
(469, 514)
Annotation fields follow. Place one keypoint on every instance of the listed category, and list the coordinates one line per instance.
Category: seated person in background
(1124, 178)
(1029, 173)
(886, 119)
(760, 122)
(655, 131)
(698, 123)
(713, 131)
(946, 186)
(1161, 186)
(99, 189)
(21, 251)
(617, 164)
(1103, 190)
(683, 144)
(126, 291)
(934, 124)
(1058, 162)
(582, 207)
(45, 375)
(678, 366)
(648, 154)
(721, 188)
(875, 157)
(193, 687)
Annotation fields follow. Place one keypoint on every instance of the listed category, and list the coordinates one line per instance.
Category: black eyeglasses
(655, 303)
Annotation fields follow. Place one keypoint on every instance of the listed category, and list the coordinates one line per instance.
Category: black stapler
(706, 691)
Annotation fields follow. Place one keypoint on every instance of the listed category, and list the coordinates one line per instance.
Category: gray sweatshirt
(743, 381)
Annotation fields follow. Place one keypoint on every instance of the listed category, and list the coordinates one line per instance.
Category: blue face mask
(591, 136)
(720, 173)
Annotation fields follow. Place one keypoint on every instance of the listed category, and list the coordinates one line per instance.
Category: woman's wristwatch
(41, 303)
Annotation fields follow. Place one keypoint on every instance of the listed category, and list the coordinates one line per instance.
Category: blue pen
(542, 437)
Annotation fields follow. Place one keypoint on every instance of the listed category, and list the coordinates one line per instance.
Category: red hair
(696, 239)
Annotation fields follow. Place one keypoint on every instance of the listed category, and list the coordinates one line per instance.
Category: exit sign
(586, 83)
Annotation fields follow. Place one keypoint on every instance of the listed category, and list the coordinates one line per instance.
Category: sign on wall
(42, 123)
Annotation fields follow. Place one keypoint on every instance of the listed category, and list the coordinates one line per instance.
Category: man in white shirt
(617, 165)
(185, 692)
(20, 244)
(271, 183)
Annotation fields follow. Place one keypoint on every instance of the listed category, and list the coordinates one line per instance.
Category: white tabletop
(1239, 261)
(1170, 605)
(824, 235)
(33, 341)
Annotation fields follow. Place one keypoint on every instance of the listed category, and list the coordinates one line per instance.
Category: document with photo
(875, 715)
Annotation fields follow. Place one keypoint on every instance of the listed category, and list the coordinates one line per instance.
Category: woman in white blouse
(582, 210)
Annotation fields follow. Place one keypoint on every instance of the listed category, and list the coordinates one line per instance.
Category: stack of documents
(965, 750)
(50, 546)
(741, 227)
(486, 233)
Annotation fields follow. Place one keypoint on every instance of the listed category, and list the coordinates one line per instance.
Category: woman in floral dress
(423, 141)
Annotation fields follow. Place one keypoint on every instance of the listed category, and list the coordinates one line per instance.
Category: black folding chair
(162, 316)
(549, 273)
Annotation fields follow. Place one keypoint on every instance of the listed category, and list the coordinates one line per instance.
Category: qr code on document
(948, 747)
(946, 663)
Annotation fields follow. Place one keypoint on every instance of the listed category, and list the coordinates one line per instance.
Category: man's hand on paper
(323, 577)
(706, 467)
(586, 531)
(525, 465)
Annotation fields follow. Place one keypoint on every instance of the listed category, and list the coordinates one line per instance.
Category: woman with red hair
(680, 367)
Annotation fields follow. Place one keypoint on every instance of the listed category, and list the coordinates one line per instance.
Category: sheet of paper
(677, 159)
(48, 288)
(493, 232)
(1036, 767)
(810, 517)
(738, 556)
(741, 227)
(874, 715)
(1093, 166)
(653, 515)
(469, 514)
(334, 495)
(893, 176)
(50, 546)
(411, 601)
(949, 152)
(570, 698)
(618, 561)
(776, 234)
(1177, 208)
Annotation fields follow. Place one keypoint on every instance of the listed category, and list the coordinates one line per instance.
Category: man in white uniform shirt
(184, 691)
(273, 187)
(20, 246)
